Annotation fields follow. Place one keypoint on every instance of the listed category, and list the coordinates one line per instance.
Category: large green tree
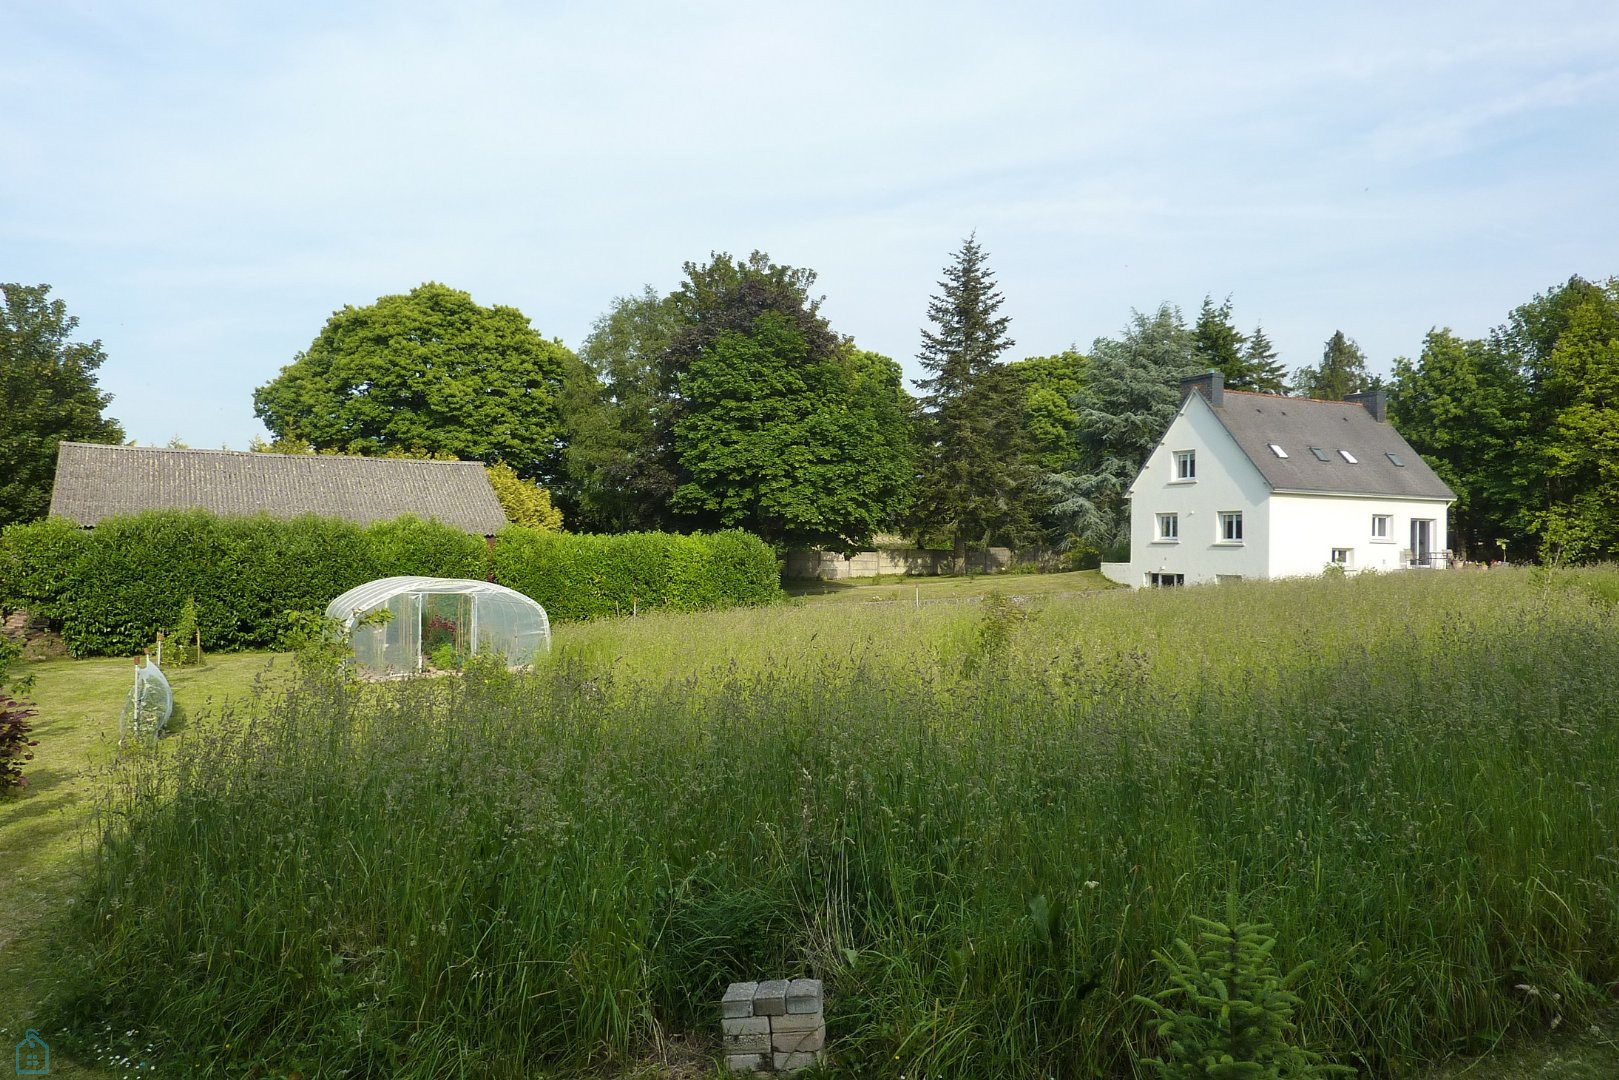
(768, 419)
(1219, 345)
(1463, 405)
(976, 484)
(1265, 373)
(1131, 393)
(1569, 342)
(1342, 371)
(48, 393)
(619, 472)
(429, 371)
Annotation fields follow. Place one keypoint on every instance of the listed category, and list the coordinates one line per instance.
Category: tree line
(731, 402)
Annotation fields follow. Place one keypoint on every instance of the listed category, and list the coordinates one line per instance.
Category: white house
(1260, 486)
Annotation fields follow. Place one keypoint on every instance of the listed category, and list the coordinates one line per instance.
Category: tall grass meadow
(979, 834)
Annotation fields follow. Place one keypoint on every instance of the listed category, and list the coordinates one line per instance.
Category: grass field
(963, 815)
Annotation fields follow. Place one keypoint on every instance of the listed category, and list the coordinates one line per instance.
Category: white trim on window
(1184, 468)
(1169, 529)
(1382, 528)
(1230, 527)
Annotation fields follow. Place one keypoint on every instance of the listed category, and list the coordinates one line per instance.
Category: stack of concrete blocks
(776, 1024)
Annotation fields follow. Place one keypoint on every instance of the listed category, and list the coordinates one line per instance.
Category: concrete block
(771, 998)
(793, 1062)
(738, 999)
(804, 996)
(746, 1063)
(796, 1021)
(751, 1043)
(745, 1025)
(793, 1042)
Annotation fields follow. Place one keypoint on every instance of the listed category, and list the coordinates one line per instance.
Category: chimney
(1375, 401)
(1210, 385)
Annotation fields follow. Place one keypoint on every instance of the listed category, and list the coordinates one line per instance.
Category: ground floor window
(1169, 527)
(1382, 526)
(1344, 557)
(1162, 581)
(1231, 526)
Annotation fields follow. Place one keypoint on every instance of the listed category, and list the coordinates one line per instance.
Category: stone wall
(812, 564)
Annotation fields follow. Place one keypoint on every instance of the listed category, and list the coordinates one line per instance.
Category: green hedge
(584, 576)
(113, 588)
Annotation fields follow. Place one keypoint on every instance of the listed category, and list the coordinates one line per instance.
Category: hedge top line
(95, 482)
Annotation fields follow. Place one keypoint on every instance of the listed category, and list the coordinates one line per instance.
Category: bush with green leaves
(584, 576)
(113, 588)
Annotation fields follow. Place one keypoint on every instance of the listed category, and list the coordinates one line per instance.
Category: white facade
(1180, 527)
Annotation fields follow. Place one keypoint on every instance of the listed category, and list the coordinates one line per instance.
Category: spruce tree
(975, 483)
(1266, 374)
(1219, 346)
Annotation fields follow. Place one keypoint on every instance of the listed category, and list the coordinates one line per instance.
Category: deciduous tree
(48, 393)
(1463, 405)
(776, 424)
(426, 371)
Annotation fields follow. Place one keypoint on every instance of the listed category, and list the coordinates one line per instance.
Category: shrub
(524, 502)
(15, 745)
(409, 545)
(113, 588)
(584, 576)
(36, 561)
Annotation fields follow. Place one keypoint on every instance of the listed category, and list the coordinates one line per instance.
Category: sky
(204, 184)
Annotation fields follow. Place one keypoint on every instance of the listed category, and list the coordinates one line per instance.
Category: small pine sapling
(1228, 1012)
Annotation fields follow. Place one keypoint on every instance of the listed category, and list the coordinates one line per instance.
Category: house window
(1186, 464)
(1344, 557)
(1164, 581)
(1382, 526)
(1320, 454)
(1349, 457)
(1169, 527)
(1399, 462)
(1277, 450)
(1231, 526)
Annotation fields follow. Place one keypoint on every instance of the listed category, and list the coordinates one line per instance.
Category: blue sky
(204, 184)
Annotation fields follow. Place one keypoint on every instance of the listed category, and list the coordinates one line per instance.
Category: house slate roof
(1296, 424)
(95, 481)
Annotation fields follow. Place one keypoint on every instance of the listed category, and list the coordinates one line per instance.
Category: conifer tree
(1131, 393)
(1342, 371)
(1219, 346)
(975, 484)
(1265, 374)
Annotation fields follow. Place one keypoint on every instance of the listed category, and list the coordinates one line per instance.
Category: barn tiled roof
(1297, 424)
(95, 481)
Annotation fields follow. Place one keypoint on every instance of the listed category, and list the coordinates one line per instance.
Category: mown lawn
(608, 674)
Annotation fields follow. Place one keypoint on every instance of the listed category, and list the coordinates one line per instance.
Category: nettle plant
(1228, 1012)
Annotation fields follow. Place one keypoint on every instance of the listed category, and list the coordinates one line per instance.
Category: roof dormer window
(1396, 459)
(1349, 457)
(1320, 454)
(1277, 450)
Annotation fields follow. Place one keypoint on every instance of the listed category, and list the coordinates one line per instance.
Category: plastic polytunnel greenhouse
(438, 624)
